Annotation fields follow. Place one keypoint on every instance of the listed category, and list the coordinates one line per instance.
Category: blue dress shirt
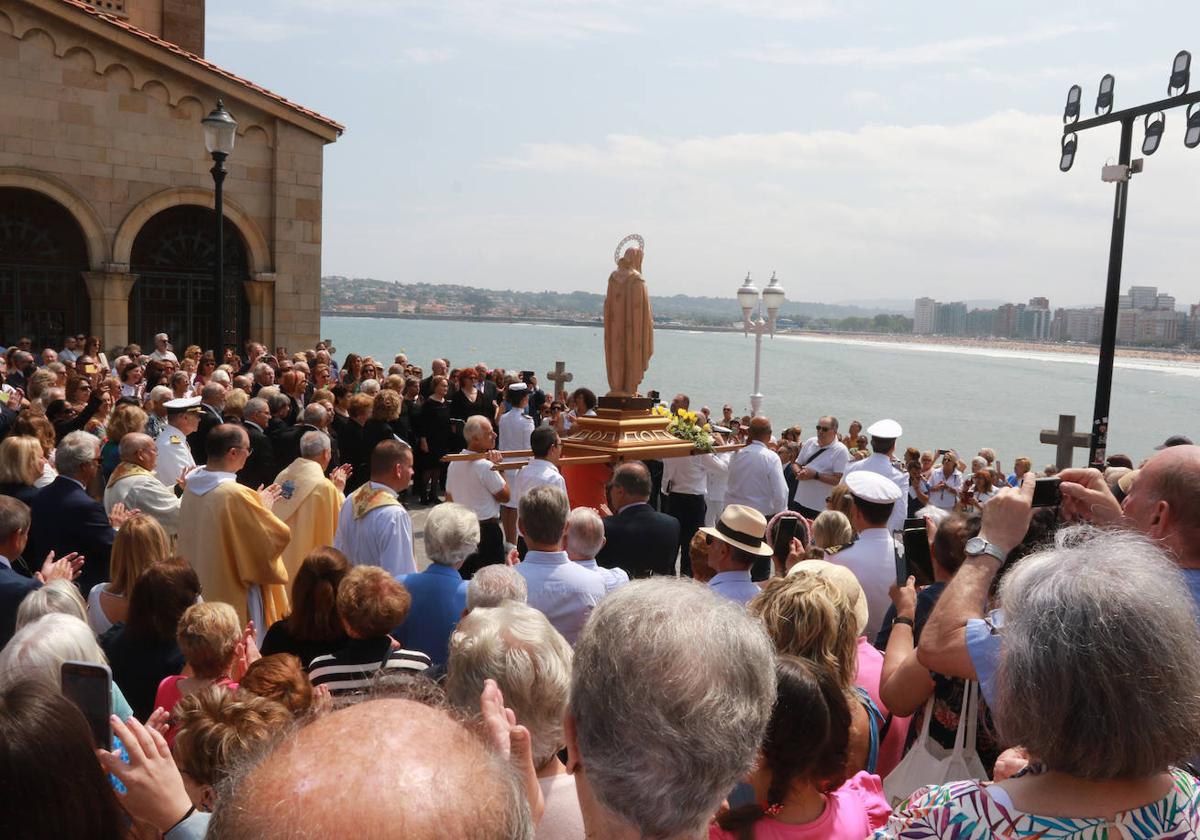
(736, 586)
(561, 589)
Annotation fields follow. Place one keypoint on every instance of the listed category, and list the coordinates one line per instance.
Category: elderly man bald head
(383, 768)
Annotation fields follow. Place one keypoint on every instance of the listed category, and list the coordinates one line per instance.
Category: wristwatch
(978, 545)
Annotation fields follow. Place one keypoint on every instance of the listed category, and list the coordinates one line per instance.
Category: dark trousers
(689, 510)
(490, 550)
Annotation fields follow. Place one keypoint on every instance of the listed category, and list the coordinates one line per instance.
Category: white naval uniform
(174, 455)
(882, 465)
(515, 429)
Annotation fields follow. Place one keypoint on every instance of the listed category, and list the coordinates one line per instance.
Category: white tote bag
(929, 763)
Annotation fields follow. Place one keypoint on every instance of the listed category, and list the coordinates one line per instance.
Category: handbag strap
(813, 456)
(964, 722)
(973, 721)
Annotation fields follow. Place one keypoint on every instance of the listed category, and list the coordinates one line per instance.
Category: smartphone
(901, 569)
(89, 369)
(1046, 492)
(785, 532)
(89, 686)
(916, 554)
(526, 376)
(653, 396)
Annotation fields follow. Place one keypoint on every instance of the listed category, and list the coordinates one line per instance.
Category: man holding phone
(822, 462)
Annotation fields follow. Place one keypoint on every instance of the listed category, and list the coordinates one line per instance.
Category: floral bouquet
(685, 425)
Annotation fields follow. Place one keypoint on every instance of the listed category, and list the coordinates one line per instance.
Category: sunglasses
(824, 428)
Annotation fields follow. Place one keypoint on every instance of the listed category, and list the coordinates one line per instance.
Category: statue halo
(633, 237)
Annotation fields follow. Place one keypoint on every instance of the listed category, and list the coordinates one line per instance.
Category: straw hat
(742, 527)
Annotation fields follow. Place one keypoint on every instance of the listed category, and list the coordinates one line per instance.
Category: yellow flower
(707, 427)
(682, 412)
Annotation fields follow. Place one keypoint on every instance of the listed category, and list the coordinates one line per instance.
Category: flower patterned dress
(965, 811)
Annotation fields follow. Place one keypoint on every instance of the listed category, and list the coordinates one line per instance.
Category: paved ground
(418, 512)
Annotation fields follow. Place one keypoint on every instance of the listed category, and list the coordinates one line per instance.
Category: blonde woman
(21, 463)
(831, 532)
(139, 544)
(810, 617)
(125, 420)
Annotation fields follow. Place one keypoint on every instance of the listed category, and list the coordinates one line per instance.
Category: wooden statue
(628, 323)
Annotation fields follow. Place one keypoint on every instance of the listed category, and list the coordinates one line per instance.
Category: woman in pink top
(214, 645)
(800, 784)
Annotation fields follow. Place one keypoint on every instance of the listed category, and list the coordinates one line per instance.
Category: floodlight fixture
(1104, 99)
(1070, 143)
(1180, 73)
(1156, 123)
(1191, 138)
(1071, 111)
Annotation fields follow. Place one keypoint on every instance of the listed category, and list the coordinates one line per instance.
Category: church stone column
(109, 292)
(260, 293)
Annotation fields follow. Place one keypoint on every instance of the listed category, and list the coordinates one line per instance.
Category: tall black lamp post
(220, 131)
(1154, 119)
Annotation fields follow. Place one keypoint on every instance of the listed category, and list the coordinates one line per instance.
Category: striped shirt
(353, 668)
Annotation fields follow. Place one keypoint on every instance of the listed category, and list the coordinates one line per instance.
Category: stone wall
(115, 136)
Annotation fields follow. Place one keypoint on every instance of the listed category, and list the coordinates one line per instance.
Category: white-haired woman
(516, 646)
(439, 594)
(38, 650)
(1099, 680)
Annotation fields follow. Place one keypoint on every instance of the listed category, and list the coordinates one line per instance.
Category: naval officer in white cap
(174, 454)
(884, 435)
(872, 557)
(515, 429)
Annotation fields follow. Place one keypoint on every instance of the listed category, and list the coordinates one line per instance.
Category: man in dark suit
(287, 443)
(212, 403)
(436, 368)
(262, 466)
(14, 586)
(66, 519)
(638, 538)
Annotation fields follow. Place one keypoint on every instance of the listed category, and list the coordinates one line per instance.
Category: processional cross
(1066, 439)
(559, 377)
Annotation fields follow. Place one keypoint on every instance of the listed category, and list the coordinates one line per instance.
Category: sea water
(945, 397)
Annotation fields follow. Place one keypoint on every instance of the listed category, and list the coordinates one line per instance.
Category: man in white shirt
(515, 428)
(585, 538)
(162, 349)
(884, 435)
(543, 469)
(756, 473)
(736, 543)
(822, 462)
(474, 484)
(373, 527)
(872, 557)
(563, 591)
(174, 454)
(945, 483)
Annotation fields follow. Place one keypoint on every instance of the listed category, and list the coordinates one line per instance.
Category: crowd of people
(823, 637)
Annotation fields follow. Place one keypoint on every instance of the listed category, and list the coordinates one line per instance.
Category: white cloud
(428, 55)
(237, 26)
(865, 99)
(933, 52)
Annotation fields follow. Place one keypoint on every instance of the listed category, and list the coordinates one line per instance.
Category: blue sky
(863, 150)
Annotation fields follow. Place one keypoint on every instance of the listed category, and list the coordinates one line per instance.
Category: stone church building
(107, 221)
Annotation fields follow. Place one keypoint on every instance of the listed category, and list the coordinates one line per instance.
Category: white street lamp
(748, 299)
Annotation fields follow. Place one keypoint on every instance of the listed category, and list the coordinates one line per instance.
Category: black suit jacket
(13, 589)
(261, 467)
(67, 519)
(641, 541)
(210, 418)
(287, 445)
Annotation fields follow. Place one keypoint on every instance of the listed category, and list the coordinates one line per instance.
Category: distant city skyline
(861, 151)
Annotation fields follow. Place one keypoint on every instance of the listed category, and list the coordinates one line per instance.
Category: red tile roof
(208, 65)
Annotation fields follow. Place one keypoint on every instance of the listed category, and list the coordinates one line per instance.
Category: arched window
(43, 255)
(173, 255)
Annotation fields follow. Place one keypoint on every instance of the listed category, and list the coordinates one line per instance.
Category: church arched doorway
(173, 256)
(43, 254)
